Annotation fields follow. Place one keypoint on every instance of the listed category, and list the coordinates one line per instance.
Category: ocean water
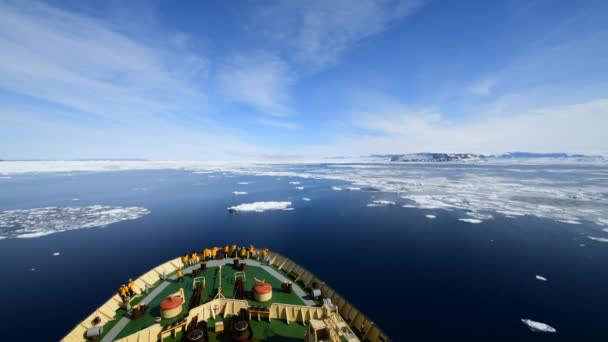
(453, 280)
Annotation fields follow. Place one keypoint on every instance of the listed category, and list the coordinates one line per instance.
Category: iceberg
(259, 207)
(541, 278)
(56, 254)
(538, 326)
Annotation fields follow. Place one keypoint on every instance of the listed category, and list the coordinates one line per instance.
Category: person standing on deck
(234, 248)
(180, 275)
(193, 258)
(131, 287)
(123, 292)
(184, 260)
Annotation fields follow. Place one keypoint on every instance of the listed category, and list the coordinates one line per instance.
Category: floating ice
(306, 199)
(538, 326)
(242, 183)
(541, 278)
(75, 199)
(600, 239)
(299, 188)
(294, 183)
(5, 177)
(380, 203)
(336, 188)
(261, 206)
(430, 216)
(56, 254)
(470, 220)
(37, 222)
(32, 269)
(559, 190)
(353, 188)
(569, 221)
(240, 193)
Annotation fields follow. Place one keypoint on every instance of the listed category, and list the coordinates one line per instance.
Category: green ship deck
(255, 269)
(288, 316)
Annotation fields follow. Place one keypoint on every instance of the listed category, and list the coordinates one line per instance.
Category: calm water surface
(453, 280)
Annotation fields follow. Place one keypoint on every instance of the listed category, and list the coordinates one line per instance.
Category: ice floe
(430, 216)
(538, 326)
(470, 220)
(306, 199)
(352, 188)
(569, 221)
(299, 188)
(239, 193)
(294, 183)
(336, 188)
(599, 239)
(37, 222)
(75, 199)
(541, 278)
(56, 254)
(380, 203)
(242, 183)
(259, 207)
(568, 192)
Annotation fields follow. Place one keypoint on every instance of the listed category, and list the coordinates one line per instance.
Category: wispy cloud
(78, 62)
(281, 124)
(319, 32)
(396, 128)
(483, 87)
(260, 80)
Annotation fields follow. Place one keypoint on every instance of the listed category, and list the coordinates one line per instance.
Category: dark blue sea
(452, 280)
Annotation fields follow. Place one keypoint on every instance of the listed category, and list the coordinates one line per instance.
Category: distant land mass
(451, 157)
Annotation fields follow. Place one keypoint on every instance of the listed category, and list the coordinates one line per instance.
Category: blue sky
(254, 80)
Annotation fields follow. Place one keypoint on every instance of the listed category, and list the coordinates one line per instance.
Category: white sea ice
(380, 203)
(538, 326)
(259, 207)
(242, 183)
(541, 278)
(238, 193)
(294, 183)
(37, 222)
(299, 188)
(470, 220)
(599, 239)
(306, 199)
(430, 216)
(336, 188)
(56, 254)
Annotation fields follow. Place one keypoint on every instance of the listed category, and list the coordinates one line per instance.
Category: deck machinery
(252, 296)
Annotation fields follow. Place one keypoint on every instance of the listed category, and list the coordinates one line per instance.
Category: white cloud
(260, 80)
(574, 128)
(81, 63)
(281, 124)
(483, 87)
(318, 32)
